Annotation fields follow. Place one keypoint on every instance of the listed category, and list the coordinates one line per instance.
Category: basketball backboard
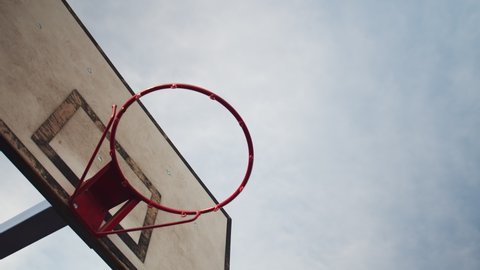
(58, 87)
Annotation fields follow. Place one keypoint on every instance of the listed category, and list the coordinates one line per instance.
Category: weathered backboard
(57, 89)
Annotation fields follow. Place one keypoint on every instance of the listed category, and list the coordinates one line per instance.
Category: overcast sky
(365, 117)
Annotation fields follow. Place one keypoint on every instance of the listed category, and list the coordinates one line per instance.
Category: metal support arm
(28, 227)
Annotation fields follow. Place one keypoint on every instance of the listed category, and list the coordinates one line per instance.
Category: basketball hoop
(93, 199)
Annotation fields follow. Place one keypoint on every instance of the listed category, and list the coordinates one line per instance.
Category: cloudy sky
(365, 117)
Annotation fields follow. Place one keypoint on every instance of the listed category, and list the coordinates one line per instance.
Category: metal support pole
(28, 227)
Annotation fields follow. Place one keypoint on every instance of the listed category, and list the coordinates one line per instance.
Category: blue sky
(365, 118)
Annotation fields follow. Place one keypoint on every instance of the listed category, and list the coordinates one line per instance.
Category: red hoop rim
(212, 96)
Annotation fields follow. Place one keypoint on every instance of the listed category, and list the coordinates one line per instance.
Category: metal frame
(28, 227)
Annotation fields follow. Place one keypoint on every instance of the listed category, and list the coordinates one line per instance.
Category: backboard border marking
(54, 124)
